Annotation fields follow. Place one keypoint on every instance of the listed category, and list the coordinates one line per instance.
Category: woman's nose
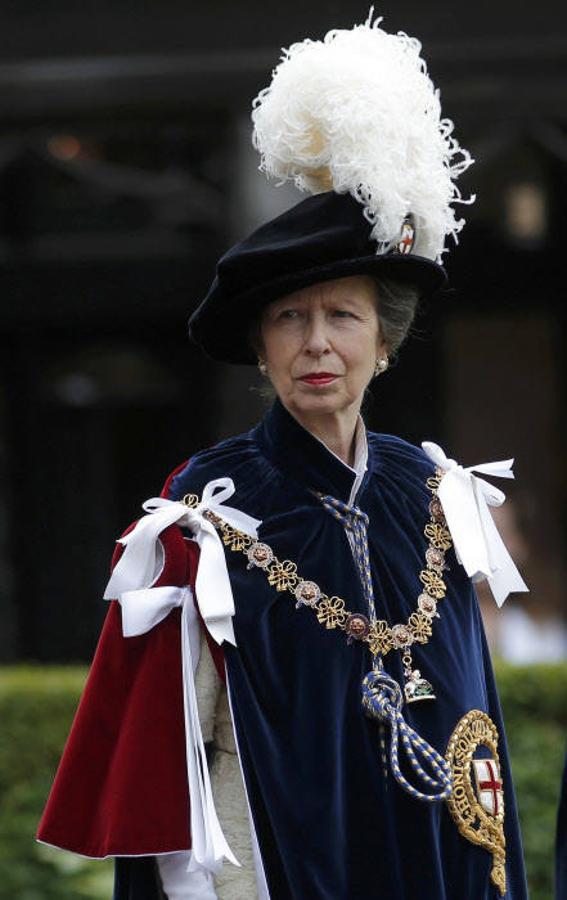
(316, 335)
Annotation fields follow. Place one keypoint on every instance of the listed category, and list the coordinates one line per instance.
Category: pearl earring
(381, 365)
(263, 367)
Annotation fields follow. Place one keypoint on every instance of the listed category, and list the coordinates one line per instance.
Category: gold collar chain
(331, 611)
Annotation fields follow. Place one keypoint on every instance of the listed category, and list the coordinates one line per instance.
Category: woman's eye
(287, 314)
(343, 313)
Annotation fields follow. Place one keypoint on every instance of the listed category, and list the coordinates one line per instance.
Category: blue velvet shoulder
(238, 458)
(398, 455)
(399, 469)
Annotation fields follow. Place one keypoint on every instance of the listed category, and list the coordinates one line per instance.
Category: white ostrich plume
(357, 112)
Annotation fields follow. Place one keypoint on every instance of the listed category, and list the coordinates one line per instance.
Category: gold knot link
(380, 638)
(283, 575)
(420, 626)
(331, 612)
(434, 584)
(438, 535)
(234, 539)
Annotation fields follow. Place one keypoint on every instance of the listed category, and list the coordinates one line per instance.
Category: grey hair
(396, 306)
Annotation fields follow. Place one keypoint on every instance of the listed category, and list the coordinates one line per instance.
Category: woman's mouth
(318, 378)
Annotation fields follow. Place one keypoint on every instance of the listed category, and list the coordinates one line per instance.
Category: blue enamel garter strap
(382, 696)
(382, 700)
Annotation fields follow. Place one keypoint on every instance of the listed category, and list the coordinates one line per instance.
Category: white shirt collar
(360, 463)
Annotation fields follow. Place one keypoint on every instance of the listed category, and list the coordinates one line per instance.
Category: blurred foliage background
(36, 709)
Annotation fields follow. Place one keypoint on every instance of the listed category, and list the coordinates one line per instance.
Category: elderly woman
(321, 633)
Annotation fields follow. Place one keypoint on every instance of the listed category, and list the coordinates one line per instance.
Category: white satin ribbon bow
(144, 606)
(465, 499)
(136, 568)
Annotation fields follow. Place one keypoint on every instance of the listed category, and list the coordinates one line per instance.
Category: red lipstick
(318, 378)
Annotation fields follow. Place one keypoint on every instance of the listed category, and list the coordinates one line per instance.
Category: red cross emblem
(488, 785)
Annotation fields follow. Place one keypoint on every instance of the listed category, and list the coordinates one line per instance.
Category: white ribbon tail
(464, 523)
(504, 578)
(143, 609)
(212, 585)
(501, 468)
(209, 844)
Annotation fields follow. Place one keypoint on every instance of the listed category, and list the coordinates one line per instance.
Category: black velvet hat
(320, 239)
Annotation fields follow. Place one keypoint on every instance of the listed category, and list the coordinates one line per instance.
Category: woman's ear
(382, 348)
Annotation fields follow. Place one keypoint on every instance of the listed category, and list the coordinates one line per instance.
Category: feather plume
(357, 112)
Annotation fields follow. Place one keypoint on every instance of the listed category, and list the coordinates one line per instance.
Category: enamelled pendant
(416, 688)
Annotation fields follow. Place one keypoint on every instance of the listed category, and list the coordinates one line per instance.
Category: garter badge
(477, 801)
(406, 240)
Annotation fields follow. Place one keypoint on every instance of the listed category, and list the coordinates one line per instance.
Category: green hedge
(36, 709)
(534, 702)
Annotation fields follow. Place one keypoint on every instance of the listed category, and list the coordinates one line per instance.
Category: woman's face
(320, 345)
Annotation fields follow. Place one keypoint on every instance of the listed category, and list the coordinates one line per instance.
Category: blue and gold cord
(382, 700)
(382, 697)
(355, 520)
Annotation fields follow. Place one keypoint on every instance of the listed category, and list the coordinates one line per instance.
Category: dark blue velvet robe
(330, 824)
